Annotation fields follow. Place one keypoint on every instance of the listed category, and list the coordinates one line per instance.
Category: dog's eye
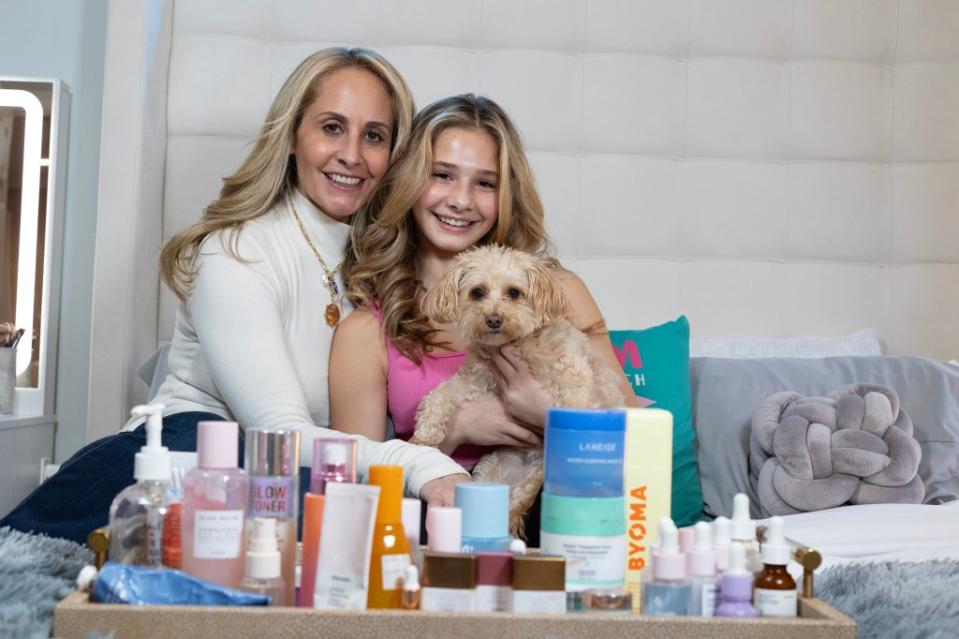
(513, 293)
(477, 293)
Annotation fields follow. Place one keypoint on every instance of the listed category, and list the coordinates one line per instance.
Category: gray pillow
(726, 392)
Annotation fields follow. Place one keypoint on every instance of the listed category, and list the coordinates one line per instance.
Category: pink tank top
(407, 383)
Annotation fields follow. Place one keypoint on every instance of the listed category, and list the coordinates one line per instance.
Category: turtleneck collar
(328, 234)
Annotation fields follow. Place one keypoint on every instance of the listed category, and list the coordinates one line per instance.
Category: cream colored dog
(498, 296)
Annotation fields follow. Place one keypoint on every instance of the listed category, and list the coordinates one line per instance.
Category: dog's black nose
(494, 321)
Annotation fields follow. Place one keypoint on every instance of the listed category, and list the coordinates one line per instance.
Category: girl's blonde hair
(380, 265)
(269, 172)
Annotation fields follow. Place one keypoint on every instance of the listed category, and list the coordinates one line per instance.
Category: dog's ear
(546, 294)
(442, 302)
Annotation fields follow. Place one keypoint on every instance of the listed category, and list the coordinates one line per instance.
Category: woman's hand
(525, 398)
(442, 491)
(485, 422)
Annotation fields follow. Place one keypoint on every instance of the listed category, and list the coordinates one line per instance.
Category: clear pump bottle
(138, 511)
(263, 571)
(669, 592)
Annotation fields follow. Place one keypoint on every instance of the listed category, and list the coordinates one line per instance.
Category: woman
(463, 181)
(258, 279)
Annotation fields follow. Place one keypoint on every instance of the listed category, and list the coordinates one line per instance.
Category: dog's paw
(517, 523)
(427, 437)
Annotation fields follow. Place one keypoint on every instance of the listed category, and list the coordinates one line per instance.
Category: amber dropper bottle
(775, 589)
(391, 551)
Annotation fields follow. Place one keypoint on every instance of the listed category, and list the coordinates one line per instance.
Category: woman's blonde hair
(380, 265)
(269, 172)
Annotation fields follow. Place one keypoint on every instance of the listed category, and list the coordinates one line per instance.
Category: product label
(775, 603)
(590, 561)
(336, 590)
(394, 569)
(446, 599)
(217, 534)
(539, 601)
(493, 598)
(584, 462)
(707, 599)
(272, 496)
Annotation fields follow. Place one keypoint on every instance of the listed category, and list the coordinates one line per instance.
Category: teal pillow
(656, 361)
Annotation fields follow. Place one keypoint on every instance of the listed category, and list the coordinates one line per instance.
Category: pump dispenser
(744, 532)
(263, 563)
(775, 588)
(701, 566)
(669, 592)
(138, 511)
(736, 586)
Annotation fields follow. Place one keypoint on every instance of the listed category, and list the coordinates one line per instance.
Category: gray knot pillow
(853, 446)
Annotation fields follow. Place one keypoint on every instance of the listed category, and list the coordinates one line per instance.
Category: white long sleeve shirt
(251, 343)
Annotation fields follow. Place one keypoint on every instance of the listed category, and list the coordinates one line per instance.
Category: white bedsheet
(879, 532)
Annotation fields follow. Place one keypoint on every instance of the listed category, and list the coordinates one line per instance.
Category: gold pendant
(332, 314)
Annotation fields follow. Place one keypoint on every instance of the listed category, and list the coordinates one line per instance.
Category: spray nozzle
(743, 527)
(262, 554)
(153, 460)
(264, 535)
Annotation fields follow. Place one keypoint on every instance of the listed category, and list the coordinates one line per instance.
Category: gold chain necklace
(332, 313)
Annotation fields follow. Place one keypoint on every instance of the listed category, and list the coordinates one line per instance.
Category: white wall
(66, 39)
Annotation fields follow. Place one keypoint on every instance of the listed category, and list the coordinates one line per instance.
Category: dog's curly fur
(497, 296)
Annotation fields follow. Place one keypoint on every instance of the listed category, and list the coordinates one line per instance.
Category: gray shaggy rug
(36, 572)
(894, 599)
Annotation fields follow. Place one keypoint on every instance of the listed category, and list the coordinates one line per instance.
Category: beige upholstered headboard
(766, 167)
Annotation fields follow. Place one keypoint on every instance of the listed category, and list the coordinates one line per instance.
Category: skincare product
(273, 463)
(539, 584)
(701, 566)
(744, 532)
(583, 509)
(485, 511)
(172, 542)
(138, 511)
(343, 568)
(215, 496)
(608, 601)
(444, 529)
(391, 553)
(449, 582)
(494, 581)
(412, 510)
(411, 589)
(648, 487)
(775, 594)
(263, 563)
(722, 537)
(334, 460)
(668, 592)
(736, 586)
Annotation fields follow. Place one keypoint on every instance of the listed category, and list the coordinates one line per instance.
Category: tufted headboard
(767, 167)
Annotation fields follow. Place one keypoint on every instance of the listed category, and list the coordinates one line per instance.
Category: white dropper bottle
(722, 537)
(263, 565)
(744, 532)
(137, 512)
(669, 592)
(701, 566)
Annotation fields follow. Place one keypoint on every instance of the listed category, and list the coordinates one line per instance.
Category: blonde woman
(463, 181)
(259, 282)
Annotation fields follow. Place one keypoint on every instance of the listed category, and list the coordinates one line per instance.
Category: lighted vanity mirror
(33, 137)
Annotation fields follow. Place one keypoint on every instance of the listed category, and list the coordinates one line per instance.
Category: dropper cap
(722, 537)
(701, 558)
(153, 462)
(737, 582)
(262, 555)
(744, 529)
(390, 481)
(668, 563)
(776, 552)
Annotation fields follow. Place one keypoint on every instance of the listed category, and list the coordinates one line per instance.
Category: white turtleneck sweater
(251, 343)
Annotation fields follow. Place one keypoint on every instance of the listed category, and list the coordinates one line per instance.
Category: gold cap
(443, 570)
(539, 573)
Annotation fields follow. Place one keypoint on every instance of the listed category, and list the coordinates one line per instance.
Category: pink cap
(668, 562)
(216, 444)
(444, 527)
(494, 569)
(687, 537)
(700, 556)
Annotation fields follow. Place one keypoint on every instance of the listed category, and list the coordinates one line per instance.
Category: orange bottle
(391, 552)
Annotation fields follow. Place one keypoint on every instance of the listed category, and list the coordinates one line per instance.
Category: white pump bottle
(137, 512)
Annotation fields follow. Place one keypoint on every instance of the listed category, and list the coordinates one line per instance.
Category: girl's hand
(485, 422)
(525, 398)
(442, 491)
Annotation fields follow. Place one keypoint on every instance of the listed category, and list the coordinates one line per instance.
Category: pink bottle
(215, 496)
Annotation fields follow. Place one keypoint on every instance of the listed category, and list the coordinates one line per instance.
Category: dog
(498, 296)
